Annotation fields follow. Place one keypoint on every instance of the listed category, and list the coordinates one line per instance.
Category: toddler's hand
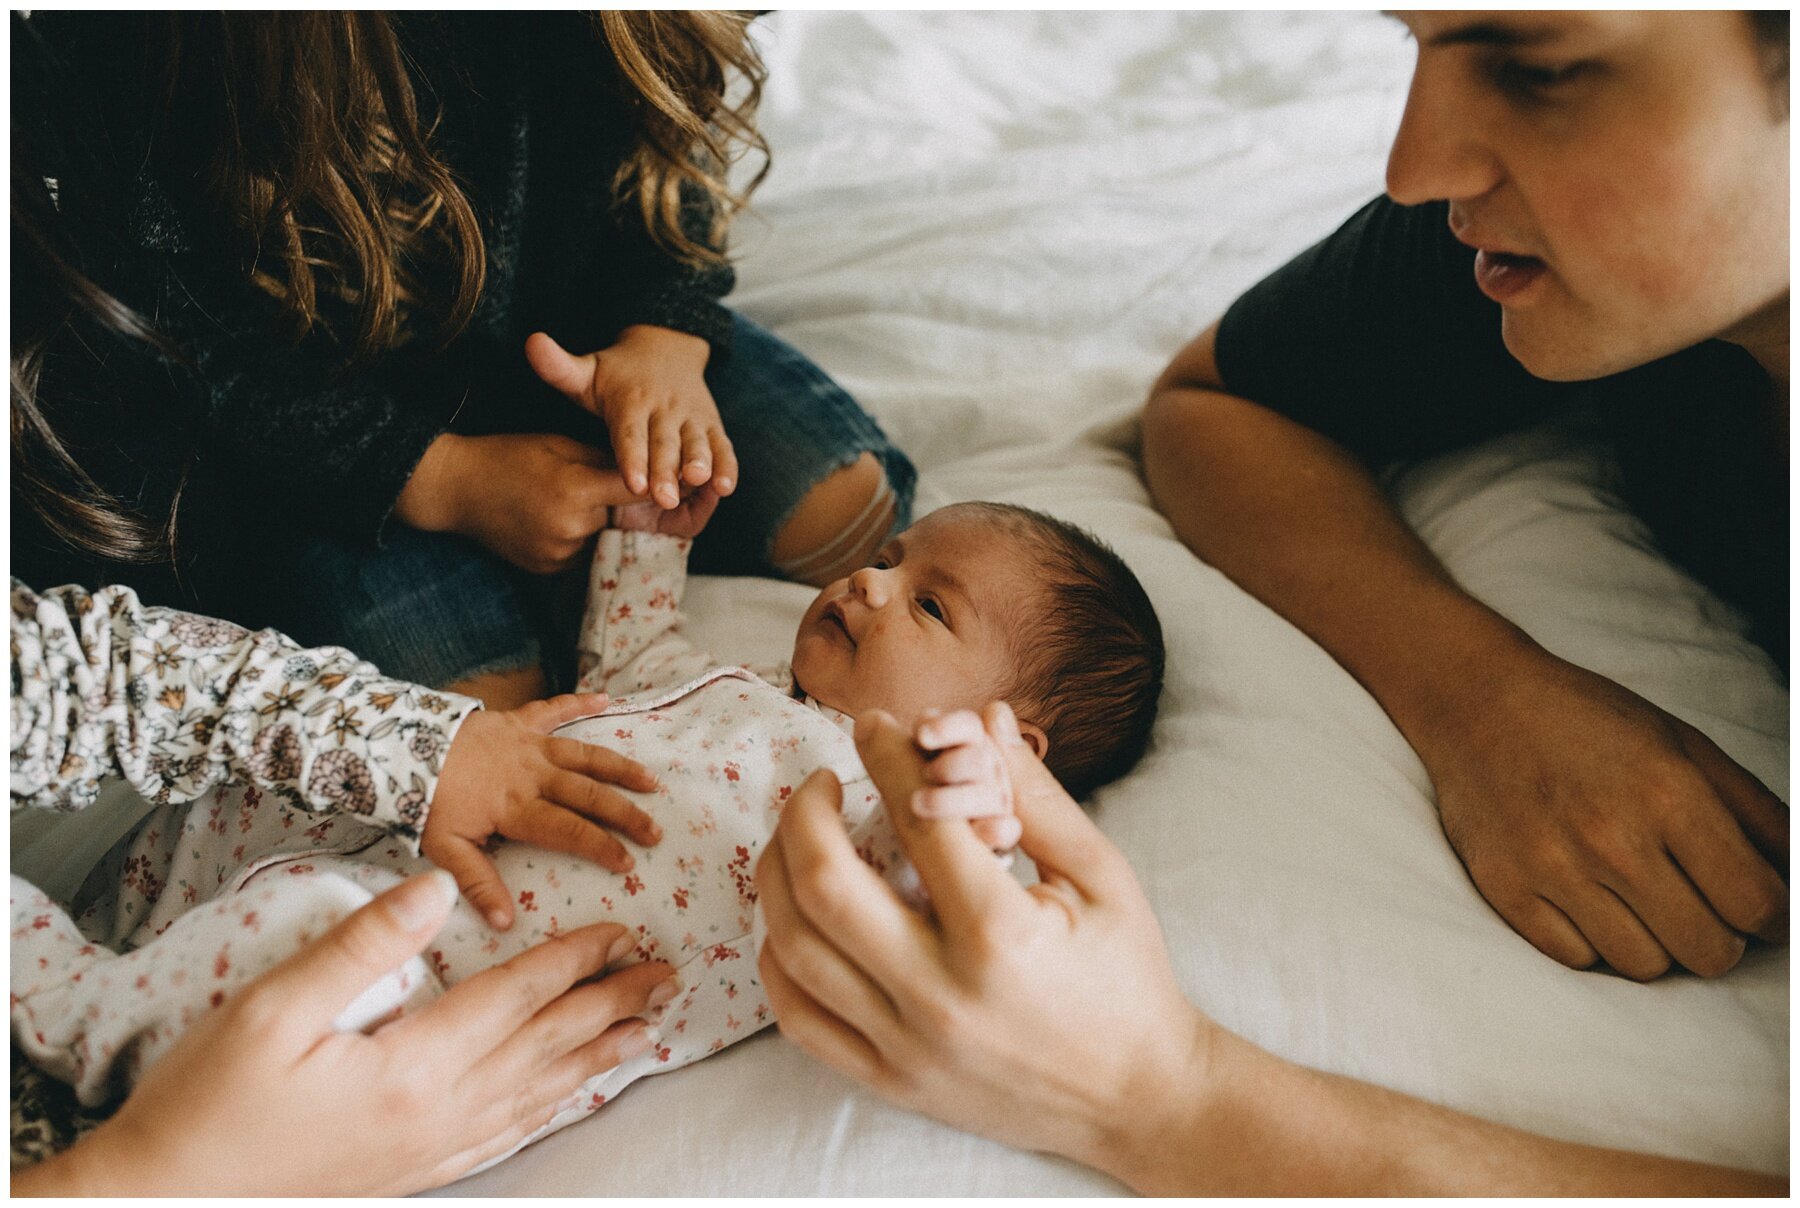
(684, 521)
(506, 776)
(965, 776)
(650, 388)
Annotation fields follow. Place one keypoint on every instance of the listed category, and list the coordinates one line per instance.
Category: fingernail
(621, 948)
(636, 1044)
(724, 485)
(422, 902)
(665, 990)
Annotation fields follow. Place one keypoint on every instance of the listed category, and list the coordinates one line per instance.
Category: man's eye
(931, 607)
(1535, 80)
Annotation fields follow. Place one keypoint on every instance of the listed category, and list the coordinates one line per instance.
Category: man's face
(1624, 175)
(929, 624)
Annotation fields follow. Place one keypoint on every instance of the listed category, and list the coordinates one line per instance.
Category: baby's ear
(1035, 738)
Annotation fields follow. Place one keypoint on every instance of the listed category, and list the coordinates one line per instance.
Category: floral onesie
(728, 745)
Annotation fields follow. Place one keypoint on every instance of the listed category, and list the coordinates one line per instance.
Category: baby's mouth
(834, 618)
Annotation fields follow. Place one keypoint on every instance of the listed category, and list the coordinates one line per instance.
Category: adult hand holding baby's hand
(965, 773)
(1045, 1017)
(532, 498)
(650, 388)
(685, 520)
(505, 775)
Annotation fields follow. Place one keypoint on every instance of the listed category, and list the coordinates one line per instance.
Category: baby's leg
(95, 1018)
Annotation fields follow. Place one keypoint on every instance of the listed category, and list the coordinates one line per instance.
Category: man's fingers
(724, 460)
(475, 875)
(838, 896)
(1060, 839)
(1000, 834)
(959, 872)
(1763, 815)
(572, 375)
(312, 987)
(809, 961)
(483, 1012)
(1616, 932)
(604, 805)
(544, 716)
(1549, 930)
(814, 1030)
(552, 826)
(1733, 877)
(601, 763)
(1682, 922)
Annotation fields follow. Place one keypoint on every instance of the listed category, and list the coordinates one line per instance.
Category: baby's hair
(1091, 672)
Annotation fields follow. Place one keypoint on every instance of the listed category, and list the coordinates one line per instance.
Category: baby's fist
(965, 776)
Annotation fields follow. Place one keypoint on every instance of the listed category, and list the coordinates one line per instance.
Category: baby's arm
(631, 634)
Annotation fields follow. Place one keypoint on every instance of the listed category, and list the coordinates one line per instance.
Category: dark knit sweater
(281, 445)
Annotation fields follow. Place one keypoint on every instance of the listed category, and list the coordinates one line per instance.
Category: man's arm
(1597, 825)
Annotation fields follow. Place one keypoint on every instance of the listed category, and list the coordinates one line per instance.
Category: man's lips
(1503, 276)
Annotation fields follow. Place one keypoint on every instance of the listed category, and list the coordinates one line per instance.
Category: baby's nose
(870, 586)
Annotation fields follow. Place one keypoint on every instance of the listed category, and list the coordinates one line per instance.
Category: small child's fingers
(631, 445)
(665, 456)
(475, 875)
(724, 460)
(696, 455)
(936, 732)
(1001, 834)
(545, 715)
(960, 801)
(971, 763)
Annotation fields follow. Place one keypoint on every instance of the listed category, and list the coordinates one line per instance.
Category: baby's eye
(931, 607)
(881, 562)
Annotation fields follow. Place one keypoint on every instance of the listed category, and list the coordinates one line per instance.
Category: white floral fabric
(180, 705)
(254, 876)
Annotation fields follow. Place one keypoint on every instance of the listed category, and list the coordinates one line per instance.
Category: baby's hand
(684, 521)
(965, 774)
(650, 388)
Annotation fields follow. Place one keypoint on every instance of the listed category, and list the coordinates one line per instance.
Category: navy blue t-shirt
(1379, 338)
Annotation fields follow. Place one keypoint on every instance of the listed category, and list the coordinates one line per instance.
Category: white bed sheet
(994, 229)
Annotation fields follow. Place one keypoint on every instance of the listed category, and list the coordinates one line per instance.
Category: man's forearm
(1299, 524)
(1264, 1126)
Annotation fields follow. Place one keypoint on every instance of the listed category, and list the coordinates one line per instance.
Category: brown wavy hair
(311, 152)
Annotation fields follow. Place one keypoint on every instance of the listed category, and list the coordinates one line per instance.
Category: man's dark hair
(1091, 672)
(1771, 29)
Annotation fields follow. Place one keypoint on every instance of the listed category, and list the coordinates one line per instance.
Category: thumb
(572, 375)
(1058, 836)
(544, 716)
(324, 977)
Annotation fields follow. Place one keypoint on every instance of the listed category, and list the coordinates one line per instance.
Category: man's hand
(650, 388)
(1601, 828)
(534, 499)
(506, 776)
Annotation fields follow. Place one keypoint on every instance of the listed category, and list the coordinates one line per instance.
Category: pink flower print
(295, 870)
(527, 900)
(622, 734)
(633, 884)
(554, 929)
(252, 795)
(237, 853)
(715, 1046)
(85, 950)
(218, 998)
(732, 1022)
(222, 962)
(721, 952)
(731, 990)
(762, 1012)
(609, 585)
(781, 794)
(142, 982)
(681, 899)
(189, 895)
(40, 922)
(681, 1025)
(621, 612)
(688, 941)
(252, 921)
(596, 1102)
(439, 965)
(662, 1052)
(318, 833)
(731, 772)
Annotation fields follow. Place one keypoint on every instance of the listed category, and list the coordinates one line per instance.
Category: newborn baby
(975, 602)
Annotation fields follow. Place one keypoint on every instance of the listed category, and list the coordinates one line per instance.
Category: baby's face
(929, 624)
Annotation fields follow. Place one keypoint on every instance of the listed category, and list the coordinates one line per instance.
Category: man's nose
(1442, 151)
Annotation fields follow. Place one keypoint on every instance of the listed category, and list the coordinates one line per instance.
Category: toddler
(973, 603)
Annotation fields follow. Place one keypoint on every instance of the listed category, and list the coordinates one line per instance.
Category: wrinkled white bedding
(995, 229)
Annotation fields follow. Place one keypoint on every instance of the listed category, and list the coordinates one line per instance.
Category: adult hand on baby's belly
(505, 775)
